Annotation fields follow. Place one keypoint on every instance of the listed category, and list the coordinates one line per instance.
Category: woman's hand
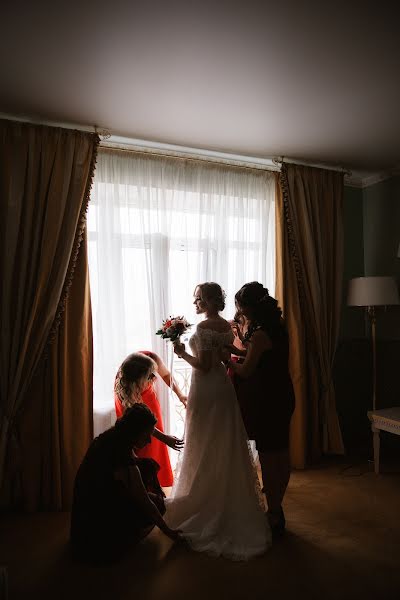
(170, 440)
(173, 442)
(235, 327)
(235, 350)
(174, 534)
(183, 399)
(179, 348)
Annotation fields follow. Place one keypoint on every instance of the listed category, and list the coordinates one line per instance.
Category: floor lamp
(371, 292)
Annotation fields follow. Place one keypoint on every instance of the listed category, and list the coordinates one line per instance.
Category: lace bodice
(211, 340)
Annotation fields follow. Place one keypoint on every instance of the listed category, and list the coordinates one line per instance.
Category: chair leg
(376, 434)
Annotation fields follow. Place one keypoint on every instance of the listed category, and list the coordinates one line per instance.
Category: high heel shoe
(277, 522)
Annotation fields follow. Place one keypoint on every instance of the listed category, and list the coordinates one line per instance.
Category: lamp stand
(372, 316)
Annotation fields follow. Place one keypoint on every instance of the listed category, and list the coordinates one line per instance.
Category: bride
(216, 499)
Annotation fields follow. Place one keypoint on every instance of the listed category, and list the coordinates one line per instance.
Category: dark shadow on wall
(353, 386)
(371, 244)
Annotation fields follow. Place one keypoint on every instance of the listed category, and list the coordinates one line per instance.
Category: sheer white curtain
(157, 227)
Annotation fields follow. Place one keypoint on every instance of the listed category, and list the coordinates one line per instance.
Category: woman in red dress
(134, 383)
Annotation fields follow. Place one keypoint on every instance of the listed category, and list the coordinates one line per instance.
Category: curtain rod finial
(103, 133)
(278, 160)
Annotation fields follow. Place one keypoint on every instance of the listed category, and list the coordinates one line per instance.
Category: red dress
(156, 449)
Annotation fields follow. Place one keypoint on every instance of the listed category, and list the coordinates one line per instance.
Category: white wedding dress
(216, 498)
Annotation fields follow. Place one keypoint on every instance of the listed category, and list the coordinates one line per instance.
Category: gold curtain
(57, 426)
(45, 182)
(309, 284)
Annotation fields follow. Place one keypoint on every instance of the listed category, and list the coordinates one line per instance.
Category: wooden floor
(343, 542)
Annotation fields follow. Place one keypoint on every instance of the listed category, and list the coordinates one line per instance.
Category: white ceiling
(309, 80)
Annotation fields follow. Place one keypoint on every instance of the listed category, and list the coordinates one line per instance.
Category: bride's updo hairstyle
(213, 294)
(132, 378)
(265, 312)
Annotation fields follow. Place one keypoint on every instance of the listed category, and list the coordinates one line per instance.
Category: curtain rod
(189, 157)
(101, 132)
(105, 135)
(276, 166)
(294, 161)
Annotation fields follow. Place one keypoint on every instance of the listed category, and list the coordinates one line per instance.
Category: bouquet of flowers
(173, 327)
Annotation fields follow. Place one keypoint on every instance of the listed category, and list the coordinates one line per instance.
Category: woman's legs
(275, 469)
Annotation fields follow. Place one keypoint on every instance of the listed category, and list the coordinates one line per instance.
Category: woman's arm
(142, 499)
(175, 388)
(202, 362)
(238, 348)
(258, 344)
(170, 440)
(166, 376)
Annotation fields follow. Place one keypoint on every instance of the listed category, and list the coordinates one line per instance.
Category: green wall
(371, 242)
(381, 222)
(352, 322)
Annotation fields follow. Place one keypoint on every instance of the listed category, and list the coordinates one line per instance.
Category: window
(157, 227)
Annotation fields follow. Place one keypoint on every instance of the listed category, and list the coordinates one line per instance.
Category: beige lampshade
(372, 291)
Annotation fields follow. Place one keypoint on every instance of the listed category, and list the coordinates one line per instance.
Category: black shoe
(277, 523)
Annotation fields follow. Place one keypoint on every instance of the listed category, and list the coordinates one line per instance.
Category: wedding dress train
(216, 498)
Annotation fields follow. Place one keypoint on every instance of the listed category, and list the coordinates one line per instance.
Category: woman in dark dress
(265, 392)
(117, 498)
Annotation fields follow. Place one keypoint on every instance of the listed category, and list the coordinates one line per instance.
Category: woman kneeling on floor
(117, 497)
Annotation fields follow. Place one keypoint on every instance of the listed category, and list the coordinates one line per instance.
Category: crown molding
(364, 179)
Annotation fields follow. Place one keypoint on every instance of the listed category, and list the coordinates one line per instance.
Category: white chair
(385, 419)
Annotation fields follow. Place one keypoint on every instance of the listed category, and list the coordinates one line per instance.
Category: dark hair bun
(252, 293)
(265, 311)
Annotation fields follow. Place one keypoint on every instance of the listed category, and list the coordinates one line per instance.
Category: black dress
(105, 520)
(266, 397)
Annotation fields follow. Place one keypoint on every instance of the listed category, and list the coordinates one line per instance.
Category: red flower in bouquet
(173, 327)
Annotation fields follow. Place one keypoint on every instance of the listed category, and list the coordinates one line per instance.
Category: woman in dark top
(117, 498)
(265, 392)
